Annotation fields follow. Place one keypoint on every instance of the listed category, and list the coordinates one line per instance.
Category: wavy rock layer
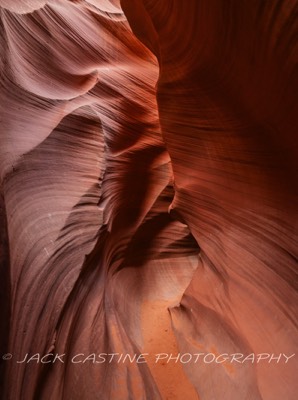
(143, 171)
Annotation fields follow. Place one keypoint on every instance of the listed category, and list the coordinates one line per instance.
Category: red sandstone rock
(148, 162)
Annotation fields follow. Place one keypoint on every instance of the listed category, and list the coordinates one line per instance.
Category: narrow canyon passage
(148, 205)
(157, 334)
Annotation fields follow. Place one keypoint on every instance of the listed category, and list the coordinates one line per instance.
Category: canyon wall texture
(148, 169)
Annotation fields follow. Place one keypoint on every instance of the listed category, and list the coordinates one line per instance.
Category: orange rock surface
(148, 171)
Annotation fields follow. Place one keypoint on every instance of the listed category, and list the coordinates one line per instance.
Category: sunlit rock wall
(148, 166)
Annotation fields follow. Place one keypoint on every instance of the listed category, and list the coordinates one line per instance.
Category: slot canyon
(148, 205)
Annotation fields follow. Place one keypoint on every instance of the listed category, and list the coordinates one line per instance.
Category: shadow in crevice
(160, 235)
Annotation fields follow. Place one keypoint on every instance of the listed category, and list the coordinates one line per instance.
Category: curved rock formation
(148, 199)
